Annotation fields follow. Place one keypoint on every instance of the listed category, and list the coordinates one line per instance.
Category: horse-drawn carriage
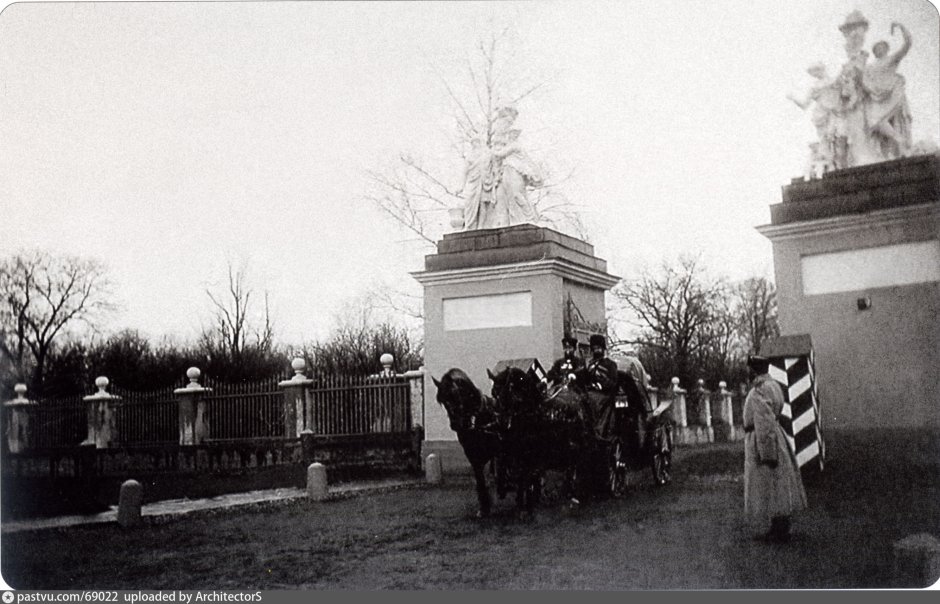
(525, 429)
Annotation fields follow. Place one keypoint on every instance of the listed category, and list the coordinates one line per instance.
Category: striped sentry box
(792, 366)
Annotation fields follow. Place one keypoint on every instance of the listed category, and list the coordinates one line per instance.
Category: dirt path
(687, 535)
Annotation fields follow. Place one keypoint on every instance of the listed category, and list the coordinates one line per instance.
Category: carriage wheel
(617, 470)
(662, 456)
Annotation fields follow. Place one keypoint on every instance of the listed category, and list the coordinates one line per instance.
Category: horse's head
(460, 398)
(516, 391)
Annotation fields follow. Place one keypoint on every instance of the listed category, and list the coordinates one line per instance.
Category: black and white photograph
(551, 296)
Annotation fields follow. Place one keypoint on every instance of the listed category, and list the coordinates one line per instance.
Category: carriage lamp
(864, 303)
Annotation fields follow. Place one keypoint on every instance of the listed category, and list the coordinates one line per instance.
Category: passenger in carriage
(569, 364)
(599, 379)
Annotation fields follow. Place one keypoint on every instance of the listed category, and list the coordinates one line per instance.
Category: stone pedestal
(857, 269)
(499, 294)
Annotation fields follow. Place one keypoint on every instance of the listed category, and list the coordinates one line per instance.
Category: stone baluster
(20, 410)
(193, 423)
(298, 413)
(101, 409)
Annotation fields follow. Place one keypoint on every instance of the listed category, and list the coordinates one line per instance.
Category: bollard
(317, 489)
(129, 503)
(916, 560)
(433, 472)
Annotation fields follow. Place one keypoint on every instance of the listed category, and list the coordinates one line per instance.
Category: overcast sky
(169, 139)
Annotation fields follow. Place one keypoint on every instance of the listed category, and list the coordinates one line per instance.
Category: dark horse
(473, 417)
(539, 433)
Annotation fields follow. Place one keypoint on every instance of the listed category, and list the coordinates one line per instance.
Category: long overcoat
(768, 492)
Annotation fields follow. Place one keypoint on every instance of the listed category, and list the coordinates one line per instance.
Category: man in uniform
(570, 363)
(599, 378)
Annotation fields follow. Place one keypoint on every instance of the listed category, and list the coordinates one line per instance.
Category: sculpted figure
(862, 116)
(886, 110)
(828, 117)
(478, 200)
(496, 180)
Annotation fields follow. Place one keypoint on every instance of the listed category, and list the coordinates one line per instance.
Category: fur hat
(569, 341)
(598, 340)
(757, 362)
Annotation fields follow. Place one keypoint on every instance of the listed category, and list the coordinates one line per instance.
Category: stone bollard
(725, 413)
(916, 561)
(317, 488)
(129, 503)
(433, 471)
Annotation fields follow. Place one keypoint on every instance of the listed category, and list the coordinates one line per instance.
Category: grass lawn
(878, 487)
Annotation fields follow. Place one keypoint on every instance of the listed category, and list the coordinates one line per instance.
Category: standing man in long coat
(773, 489)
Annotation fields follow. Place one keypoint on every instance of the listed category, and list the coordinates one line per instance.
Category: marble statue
(861, 115)
(497, 179)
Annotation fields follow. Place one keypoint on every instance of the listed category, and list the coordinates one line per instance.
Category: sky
(171, 139)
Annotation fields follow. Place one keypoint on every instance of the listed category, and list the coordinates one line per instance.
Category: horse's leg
(483, 493)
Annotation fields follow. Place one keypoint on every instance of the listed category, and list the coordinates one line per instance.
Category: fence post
(19, 411)
(653, 394)
(297, 414)
(678, 406)
(193, 423)
(725, 413)
(102, 411)
(705, 410)
(416, 390)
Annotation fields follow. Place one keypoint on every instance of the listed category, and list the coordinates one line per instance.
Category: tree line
(688, 323)
(54, 308)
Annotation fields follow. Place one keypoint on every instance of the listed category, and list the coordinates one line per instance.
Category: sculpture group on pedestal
(861, 115)
(497, 178)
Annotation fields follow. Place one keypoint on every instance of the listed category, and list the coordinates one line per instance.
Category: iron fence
(59, 422)
(146, 418)
(244, 409)
(341, 405)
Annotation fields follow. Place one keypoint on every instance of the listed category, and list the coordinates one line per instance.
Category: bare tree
(416, 193)
(756, 311)
(675, 311)
(233, 329)
(41, 296)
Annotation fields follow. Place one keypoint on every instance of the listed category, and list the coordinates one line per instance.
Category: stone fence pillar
(19, 432)
(193, 423)
(652, 394)
(704, 433)
(298, 413)
(101, 410)
(679, 412)
(725, 413)
(416, 387)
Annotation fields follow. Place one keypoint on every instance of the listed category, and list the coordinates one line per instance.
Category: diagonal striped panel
(800, 415)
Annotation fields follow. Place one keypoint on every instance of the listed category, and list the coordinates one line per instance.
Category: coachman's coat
(768, 492)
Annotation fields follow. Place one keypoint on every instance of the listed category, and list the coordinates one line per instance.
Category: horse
(539, 433)
(473, 417)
